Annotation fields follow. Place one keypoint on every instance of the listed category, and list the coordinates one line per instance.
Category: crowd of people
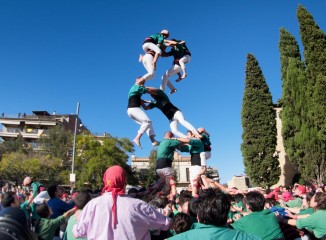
(35, 211)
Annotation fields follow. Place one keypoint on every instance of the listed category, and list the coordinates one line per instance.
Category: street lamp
(72, 175)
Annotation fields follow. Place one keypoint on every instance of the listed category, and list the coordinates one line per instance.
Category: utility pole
(72, 175)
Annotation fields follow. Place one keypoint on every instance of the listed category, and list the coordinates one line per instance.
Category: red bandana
(114, 181)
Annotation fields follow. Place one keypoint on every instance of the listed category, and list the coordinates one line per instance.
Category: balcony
(28, 133)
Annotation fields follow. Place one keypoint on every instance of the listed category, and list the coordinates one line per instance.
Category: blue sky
(54, 54)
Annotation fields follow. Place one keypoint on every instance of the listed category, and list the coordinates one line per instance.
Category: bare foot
(173, 91)
(137, 142)
(140, 58)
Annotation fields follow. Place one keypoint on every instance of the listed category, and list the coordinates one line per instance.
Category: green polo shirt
(210, 232)
(166, 148)
(47, 227)
(196, 146)
(316, 222)
(262, 224)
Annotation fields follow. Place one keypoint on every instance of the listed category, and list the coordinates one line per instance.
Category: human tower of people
(196, 142)
(205, 211)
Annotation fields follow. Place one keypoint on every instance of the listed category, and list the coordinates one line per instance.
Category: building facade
(33, 126)
(181, 165)
(288, 169)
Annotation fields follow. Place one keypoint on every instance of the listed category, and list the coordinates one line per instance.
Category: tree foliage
(151, 171)
(57, 142)
(93, 157)
(293, 95)
(259, 127)
(313, 131)
(14, 145)
(16, 165)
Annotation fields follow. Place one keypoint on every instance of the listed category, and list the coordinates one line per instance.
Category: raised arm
(152, 90)
(143, 104)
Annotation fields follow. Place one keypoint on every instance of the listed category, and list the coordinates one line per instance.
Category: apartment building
(33, 126)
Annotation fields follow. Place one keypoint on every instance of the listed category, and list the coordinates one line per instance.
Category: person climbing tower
(152, 46)
(135, 113)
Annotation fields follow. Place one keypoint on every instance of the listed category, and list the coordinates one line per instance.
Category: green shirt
(209, 232)
(158, 38)
(179, 51)
(306, 211)
(47, 227)
(263, 224)
(163, 99)
(25, 207)
(206, 140)
(137, 90)
(166, 148)
(71, 222)
(297, 202)
(36, 188)
(163, 103)
(33, 211)
(196, 146)
(316, 222)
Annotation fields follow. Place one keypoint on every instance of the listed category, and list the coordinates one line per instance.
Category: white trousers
(194, 173)
(206, 155)
(172, 71)
(148, 65)
(148, 60)
(178, 117)
(140, 117)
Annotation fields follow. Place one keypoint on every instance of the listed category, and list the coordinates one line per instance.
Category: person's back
(212, 216)
(259, 222)
(134, 217)
(115, 215)
(263, 224)
(58, 206)
(81, 199)
(46, 227)
(210, 232)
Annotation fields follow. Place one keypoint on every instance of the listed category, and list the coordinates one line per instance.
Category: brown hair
(321, 201)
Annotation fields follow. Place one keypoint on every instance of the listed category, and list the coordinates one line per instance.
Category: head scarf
(114, 181)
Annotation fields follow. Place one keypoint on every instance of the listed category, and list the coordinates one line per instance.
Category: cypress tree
(293, 95)
(259, 128)
(314, 135)
(289, 48)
